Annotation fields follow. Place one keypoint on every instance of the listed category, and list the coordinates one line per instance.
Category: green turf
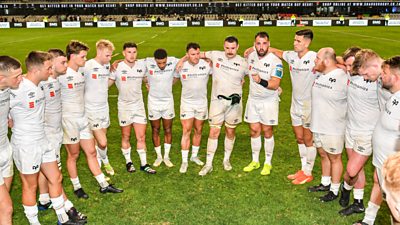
(222, 197)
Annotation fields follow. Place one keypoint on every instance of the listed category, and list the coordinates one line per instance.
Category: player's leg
(72, 157)
(325, 166)
(336, 174)
(44, 197)
(229, 142)
(167, 126)
(126, 146)
(87, 144)
(269, 144)
(155, 132)
(100, 136)
(140, 132)
(6, 207)
(197, 132)
(187, 125)
(311, 152)
(212, 145)
(255, 143)
(29, 187)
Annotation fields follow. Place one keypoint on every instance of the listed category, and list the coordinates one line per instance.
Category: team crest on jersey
(123, 78)
(31, 94)
(184, 76)
(170, 63)
(267, 65)
(332, 80)
(139, 70)
(202, 67)
(395, 102)
(42, 88)
(31, 105)
(94, 76)
(123, 122)
(236, 64)
(107, 67)
(306, 62)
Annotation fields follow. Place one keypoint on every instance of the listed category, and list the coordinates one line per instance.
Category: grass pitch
(222, 197)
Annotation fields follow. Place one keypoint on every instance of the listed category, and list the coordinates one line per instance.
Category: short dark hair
(160, 53)
(262, 34)
(192, 45)
(231, 39)
(350, 52)
(306, 33)
(129, 45)
(8, 63)
(75, 47)
(56, 52)
(393, 62)
(36, 58)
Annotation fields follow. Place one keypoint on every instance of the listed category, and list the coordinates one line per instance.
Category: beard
(262, 54)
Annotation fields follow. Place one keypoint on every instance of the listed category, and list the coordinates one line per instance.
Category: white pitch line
(154, 36)
(113, 96)
(165, 31)
(367, 36)
(141, 42)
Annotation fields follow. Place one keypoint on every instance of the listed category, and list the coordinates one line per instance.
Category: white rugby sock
(185, 154)
(255, 148)
(195, 151)
(370, 213)
(142, 156)
(44, 198)
(68, 205)
(101, 179)
(303, 155)
(127, 154)
(58, 206)
(103, 154)
(347, 186)
(228, 145)
(310, 159)
(358, 193)
(31, 213)
(326, 180)
(212, 145)
(76, 183)
(269, 144)
(158, 152)
(167, 148)
(335, 188)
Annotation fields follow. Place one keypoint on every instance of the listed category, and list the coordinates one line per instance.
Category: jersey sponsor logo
(171, 115)
(52, 94)
(184, 76)
(395, 102)
(151, 116)
(70, 86)
(74, 139)
(279, 71)
(31, 105)
(96, 125)
(183, 115)
(35, 167)
(123, 78)
(123, 122)
(94, 76)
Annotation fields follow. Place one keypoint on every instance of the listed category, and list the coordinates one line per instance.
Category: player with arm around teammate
(262, 106)
(128, 77)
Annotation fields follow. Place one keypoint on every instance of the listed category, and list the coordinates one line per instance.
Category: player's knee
(141, 139)
(156, 130)
(168, 130)
(125, 137)
(7, 209)
(73, 156)
(352, 171)
(102, 144)
(198, 131)
(300, 140)
(55, 179)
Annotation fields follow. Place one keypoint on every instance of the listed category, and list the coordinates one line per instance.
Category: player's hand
(179, 65)
(256, 77)
(280, 90)
(209, 61)
(147, 86)
(248, 51)
(114, 66)
(243, 81)
(10, 123)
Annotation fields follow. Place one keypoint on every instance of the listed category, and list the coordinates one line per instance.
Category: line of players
(83, 92)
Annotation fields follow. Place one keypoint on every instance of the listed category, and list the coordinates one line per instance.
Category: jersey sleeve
(210, 55)
(113, 75)
(278, 69)
(285, 56)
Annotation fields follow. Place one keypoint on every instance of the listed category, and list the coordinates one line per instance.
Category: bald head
(325, 60)
(328, 54)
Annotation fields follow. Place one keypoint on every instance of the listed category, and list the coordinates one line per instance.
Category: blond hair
(391, 172)
(102, 44)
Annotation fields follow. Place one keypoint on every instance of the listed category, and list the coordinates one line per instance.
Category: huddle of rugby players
(350, 100)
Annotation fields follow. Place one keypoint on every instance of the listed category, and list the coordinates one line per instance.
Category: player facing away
(160, 77)
(262, 106)
(128, 77)
(301, 64)
(31, 150)
(194, 76)
(229, 70)
(362, 114)
(10, 78)
(391, 184)
(53, 131)
(328, 121)
(369, 65)
(97, 74)
(75, 122)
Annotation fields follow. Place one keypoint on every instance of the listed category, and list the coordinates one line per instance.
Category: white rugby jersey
(227, 74)
(160, 81)
(52, 110)
(27, 111)
(362, 105)
(385, 140)
(96, 86)
(267, 67)
(194, 79)
(383, 95)
(4, 109)
(301, 74)
(129, 83)
(329, 103)
(72, 93)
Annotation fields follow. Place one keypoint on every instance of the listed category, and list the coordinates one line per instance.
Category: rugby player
(194, 76)
(391, 184)
(262, 106)
(328, 121)
(128, 77)
(75, 122)
(229, 70)
(10, 77)
(160, 77)
(97, 74)
(31, 150)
